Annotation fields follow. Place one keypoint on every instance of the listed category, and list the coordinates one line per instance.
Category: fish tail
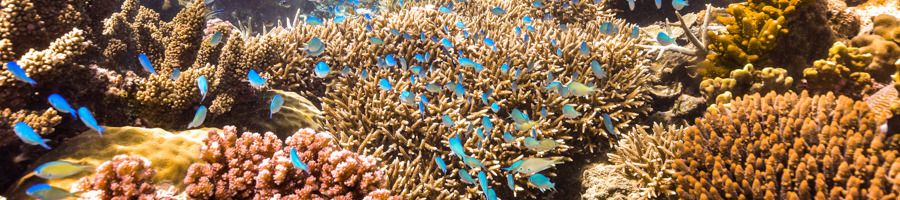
(44, 144)
(22, 180)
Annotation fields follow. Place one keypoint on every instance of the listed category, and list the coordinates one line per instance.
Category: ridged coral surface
(788, 146)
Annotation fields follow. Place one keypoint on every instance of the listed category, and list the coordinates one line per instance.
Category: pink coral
(259, 167)
(123, 177)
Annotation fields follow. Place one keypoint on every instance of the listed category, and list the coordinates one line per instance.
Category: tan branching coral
(27, 24)
(648, 157)
(842, 72)
(747, 80)
(257, 166)
(790, 146)
(123, 177)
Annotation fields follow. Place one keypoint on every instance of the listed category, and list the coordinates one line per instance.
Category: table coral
(788, 146)
(123, 177)
(258, 166)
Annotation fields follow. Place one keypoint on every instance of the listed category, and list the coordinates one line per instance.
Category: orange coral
(123, 177)
(787, 146)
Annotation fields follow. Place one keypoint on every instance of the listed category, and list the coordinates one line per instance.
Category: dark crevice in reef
(646, 13)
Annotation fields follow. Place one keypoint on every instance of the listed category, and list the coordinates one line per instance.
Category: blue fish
(431, 87)
(635, 32)
(664, 39)
(495, 107)
(315, 47)
(47, 192)
(275, 104)
(584, 50)
(376, 41)
(145, 62)
(175, 74)
(553, 42)
(446, 43)
(460, 25)
(510, 182)
(88, 119)
(480, 133)
(498, 11)
(447, 121)
(422, 108)
(522, 122)
(486, 122)
(537, 4)
(610, 128)
(527, 19)
(514, 166)
(459, 90)
(490, 194)
(61, 105)
(57, 169)
(485, 95)
(530, 28)
(553, 85)
(507, 137)
(482, 178)
(322, 69)
(313, 20)
(419, 57)
(456, 146)
(518, 31)
(407, 36)
(473, 162)
(256, 81)
(441, 164)
(544, 112)
(558, 52)
(465, 177)
(422, 36)
(295, 160)
(339, 19)
(368, 27)
(395, 31)
(407, 98)
(384, 84)
(27, 135)
(541, 182)
(466, 34)
(466, 62)
(630, 4)
(216, 38)
(570, 112)
(444, 9)
(390, 61)
(608, 28)
(412, 79)
(199, 117)
(415, 69)
(203, 85)
(367, 16)
(598, 70)
(658, 4)
(490, 43)
(345, 71)
(423, 98)
(504, 67)
(364, 74)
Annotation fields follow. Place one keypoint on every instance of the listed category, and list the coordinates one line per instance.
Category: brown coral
(787, 146)
(883, 45)
(123, 177)
(648, 158)
(843, 72)
(259, 167)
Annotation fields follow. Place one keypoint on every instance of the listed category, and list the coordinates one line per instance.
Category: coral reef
(258, 166)
(843, 72)
(790, 146)
(883, 44)
(605, 181)
(123, 177)
(747, 80)
(648, 158)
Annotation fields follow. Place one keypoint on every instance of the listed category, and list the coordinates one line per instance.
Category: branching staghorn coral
(790, 146)
(648, 157)
(376, 122)
(123, 177)
(256, 166)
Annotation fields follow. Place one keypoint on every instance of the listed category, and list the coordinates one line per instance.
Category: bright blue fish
(542, 182)
(527, 19)
(664, 39)
(446, 43)
(466, 62)
(422, 108)
(416, 69)
(199, 117)
(419, 57)
(570, 112)
(57, 169)
(498, 11)
(384, 84)
(422, 36)
(412, 79)
(444, 9)
(485, 95)
(216, 38)
(407, 98)
(537, 4)
(407, 36)
(61, 105)
(510, 182)
(495, 107)
(507, 137)
(460, 25)
(553, 42)
(584, 50)
(423, 97)
(558, 52)
(459, 90)
(598, 70)
(395, 31)
(203, 85)
(368, 27)
(610, 128)
(491, 194)
(364, 74)
(376, 41)
(486, 122)
(456, 146)
(295, 160)
(275, 104)
(175, 74)
(345, 71)
(27, 134)
(256, 81)
(608, 28)
(322, 69)
(518, 31)
(46, 192)
(530, 28)
(635, 32)
(447, 121)
(658, 4)
(465, 177)
(504, 67)
(390, 61)
(480, 133)
(473, 162)
(544, 112)
(553, 85)
(431, 87)
(145, 62)
(315, 47)
(339, 19)
(514, 166)
(441, 164)
(88, 119)
(313, 20)
(367, 16)
(482, 178)
(490, 42)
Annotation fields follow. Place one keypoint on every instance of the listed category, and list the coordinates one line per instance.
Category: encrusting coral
(787, 146)
(123, 177)
(648, 158)
(883, 44)
(747, 80)
(259, 166)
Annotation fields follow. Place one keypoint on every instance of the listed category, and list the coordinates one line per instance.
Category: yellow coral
(843, 71)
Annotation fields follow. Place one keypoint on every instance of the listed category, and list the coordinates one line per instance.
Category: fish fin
(22, 180)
